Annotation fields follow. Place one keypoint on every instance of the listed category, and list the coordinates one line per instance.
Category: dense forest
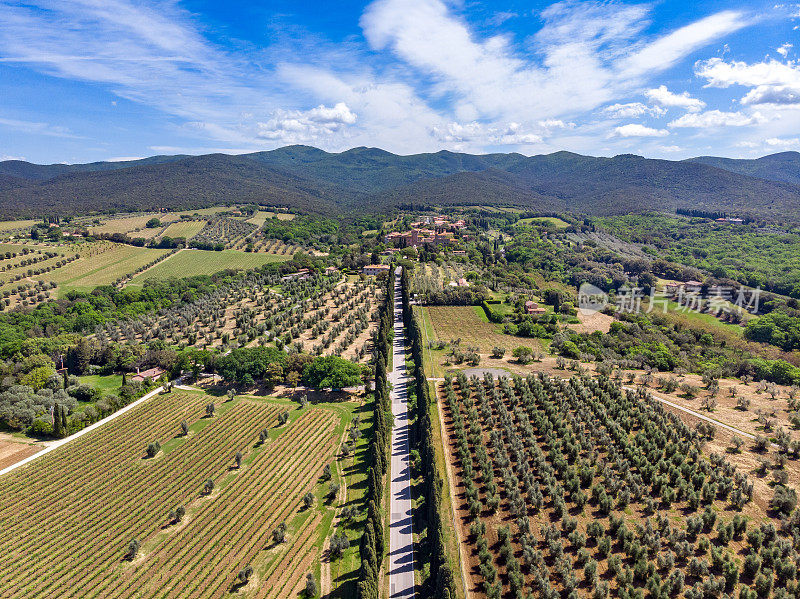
(311, 181)
(753, 256)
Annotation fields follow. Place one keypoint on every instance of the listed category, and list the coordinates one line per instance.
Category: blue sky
(85, 80)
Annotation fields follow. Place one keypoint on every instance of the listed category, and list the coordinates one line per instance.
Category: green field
(106, 384)
(699, 318)
(200, 262)
(12, 225)
(128, 224)
(262, 215)
(557, 222)
(184, 228)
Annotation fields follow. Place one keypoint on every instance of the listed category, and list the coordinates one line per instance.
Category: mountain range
(310, 180)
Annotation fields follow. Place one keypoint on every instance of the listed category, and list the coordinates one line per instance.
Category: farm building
(151, 373)
(373, 270)
(532, 307)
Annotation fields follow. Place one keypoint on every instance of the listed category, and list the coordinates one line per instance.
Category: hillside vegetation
(309, 180)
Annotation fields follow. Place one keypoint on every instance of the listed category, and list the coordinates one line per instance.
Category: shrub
(153, 448)
(133, 549)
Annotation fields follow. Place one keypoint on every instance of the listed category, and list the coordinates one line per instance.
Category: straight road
(401, 539)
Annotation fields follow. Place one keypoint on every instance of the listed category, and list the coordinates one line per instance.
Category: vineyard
(134, 225)
(131, 525)
(318, 315)
(577, 488)
(102, 263)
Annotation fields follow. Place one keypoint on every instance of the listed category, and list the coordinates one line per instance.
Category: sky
(89, 80)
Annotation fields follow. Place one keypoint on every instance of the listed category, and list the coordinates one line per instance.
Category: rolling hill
(310, 180)
(784, 166)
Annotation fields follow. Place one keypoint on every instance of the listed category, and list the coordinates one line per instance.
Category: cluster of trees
(440, 582)
(776, 328)
(655, 341)
(456, 296)
(248, 365)
(47, 405)
(373, 544)
(321, 233)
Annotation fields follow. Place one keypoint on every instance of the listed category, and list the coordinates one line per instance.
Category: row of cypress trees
(373, 543)
(440, 582)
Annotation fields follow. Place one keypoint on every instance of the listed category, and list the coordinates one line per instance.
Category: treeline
(456, 296)
(373, 543)
(440, 582)
(702, 213)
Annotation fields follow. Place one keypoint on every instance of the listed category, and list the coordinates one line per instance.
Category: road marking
(401, 538)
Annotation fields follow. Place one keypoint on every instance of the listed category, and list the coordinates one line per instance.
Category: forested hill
(310, 180)
(784, 166)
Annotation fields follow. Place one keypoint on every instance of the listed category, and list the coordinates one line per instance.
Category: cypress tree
(375, 516)
(373, 484)
(57, 420)
(64, 428)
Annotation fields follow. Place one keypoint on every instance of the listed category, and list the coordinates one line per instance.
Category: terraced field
(107, 494)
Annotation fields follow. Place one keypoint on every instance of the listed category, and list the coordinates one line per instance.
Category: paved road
(401, 540)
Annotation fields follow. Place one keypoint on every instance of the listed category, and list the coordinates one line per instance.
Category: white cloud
(637, 130)
(784, 49)
(662, 96)
(772, 81)
(666, 51)
(777, 142)
(37, 128)
(585, 49)
(10, 157)
(720, 73)
(670, 149)
(556, 124)
(389, 112)
(633, 110)
(717, 118)
(512, 134)
(296, 126)
(772, 94)
(501, 17)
